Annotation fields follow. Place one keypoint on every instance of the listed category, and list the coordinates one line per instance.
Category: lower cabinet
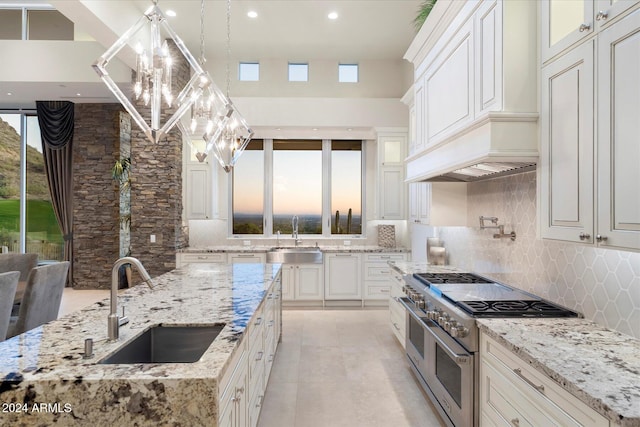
(248, 257)
(514, 393)
(302, 283)
(243, 386)
(397, 313)
(377, 276)
(342, 276)
(184, 258)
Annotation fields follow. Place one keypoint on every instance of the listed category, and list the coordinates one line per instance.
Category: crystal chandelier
(153, 75)
(233, 133)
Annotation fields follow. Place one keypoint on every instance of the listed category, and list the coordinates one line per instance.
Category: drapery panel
(56, 120)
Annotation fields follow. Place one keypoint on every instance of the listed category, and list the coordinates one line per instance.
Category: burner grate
(514, 308)
(443, 278)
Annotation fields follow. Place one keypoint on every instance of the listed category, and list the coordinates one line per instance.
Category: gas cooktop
(515, 308)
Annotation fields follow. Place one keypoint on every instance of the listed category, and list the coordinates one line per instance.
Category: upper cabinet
(580, 136)
(566, 23)
(475, 87)
(392, 149)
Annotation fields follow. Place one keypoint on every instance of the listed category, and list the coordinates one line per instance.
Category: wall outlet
(347, 242)
(246, 242)
(152, 238)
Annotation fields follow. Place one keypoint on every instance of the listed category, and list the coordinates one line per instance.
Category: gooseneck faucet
(294, 226)
(114, 321)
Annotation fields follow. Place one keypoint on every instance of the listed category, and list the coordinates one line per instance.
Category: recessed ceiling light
(349, 129)
(333, 15)
(9, 93)
(252, 14)
(315, 129)
(170, 13)
(78, 94)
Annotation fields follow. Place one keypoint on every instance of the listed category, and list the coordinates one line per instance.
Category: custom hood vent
(482, 171)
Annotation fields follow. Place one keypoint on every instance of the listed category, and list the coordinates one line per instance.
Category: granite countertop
(599, 366)
(323, 248)
(410, 267)
(45, 365)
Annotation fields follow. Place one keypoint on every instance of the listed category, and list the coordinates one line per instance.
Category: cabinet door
(488, 73)
(342, 273)
(288, 282)
(308, 282)
(618, 134)
(607, 10)
(413, 202)
(391, 192)
(420, 116)
(564, 23)
(198, 192)
(566, 192)
(391, 149)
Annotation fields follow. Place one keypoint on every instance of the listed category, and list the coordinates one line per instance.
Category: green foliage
(39, 213)
(423, 11)
(120, 173)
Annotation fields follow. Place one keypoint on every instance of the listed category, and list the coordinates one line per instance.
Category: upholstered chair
(8, 285)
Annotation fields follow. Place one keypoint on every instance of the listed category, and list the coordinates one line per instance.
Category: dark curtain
(56, 119)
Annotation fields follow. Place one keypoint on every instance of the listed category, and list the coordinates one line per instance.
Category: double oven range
(442, 339)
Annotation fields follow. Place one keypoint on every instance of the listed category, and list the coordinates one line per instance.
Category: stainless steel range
(443, 339)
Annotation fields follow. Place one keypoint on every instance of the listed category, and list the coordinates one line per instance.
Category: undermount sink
(295, 255)
(166, 344)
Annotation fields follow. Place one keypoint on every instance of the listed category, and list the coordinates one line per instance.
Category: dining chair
(18, 262)
(8, 285)
(41, 301)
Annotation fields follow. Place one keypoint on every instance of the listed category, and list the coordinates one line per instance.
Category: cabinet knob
(584, 27)
(601, 16)
(600, 238)
(515, 422)
(584, 236)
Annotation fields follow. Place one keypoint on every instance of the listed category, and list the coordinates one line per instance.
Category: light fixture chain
(228, 44)
(202, 58)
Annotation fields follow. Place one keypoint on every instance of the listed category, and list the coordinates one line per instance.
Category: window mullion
(268, 187)
(326, 188)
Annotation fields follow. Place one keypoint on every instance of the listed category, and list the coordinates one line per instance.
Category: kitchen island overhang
(46, 379)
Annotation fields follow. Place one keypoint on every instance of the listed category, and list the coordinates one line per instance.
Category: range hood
(498, 144)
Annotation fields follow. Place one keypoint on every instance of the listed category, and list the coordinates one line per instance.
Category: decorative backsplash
(602, 284)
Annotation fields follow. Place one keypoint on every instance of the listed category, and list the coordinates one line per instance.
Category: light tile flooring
(342, 368)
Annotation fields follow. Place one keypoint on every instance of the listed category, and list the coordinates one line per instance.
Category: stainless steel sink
(295, 255)
(166, 344)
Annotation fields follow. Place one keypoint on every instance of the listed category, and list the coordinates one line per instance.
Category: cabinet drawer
(509, 384)
(377, 291)
(247, 257)
(384, 257)
(202, 257)
(377, 271)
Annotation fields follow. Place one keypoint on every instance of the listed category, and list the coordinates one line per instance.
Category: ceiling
(292, 30)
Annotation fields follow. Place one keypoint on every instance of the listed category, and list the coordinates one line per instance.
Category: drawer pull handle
(395, 326)
(259, 321)
(203, 257)
(584, 27)
(515, 422)
(519, 373)
(260, 354)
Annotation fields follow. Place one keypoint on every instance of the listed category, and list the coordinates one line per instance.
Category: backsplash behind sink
(603, 284)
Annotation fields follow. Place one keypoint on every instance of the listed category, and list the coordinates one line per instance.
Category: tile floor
(342, 368)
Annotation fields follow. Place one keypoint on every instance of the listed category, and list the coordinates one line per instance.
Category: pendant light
(233, 133)
(153, 85)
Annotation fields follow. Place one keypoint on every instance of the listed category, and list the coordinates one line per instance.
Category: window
(298, 72)
(348, 73)
(248, 190)
(249, 71)
(40, 23)
(310, 179)
(346, 187)
(23, 188)
(297, 186)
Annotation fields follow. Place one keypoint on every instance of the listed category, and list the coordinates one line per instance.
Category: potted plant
(423, 11)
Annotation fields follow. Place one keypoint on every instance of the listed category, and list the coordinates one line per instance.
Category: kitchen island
(46, 379)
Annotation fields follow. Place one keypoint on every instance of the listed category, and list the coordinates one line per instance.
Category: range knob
(459, 332)
(420, 303)
(444, 317)
(434, 314)
(450, 325)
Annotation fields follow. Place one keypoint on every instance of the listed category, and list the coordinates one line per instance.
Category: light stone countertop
(410, 267)
(45, 365)
(323, 248)
(599, 366)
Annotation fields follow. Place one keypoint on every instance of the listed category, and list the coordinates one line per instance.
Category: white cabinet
(618, 134)
(397, 312)
(342, 276)
(377, 276)
(438, 203)
(566, 179)
(198, 192)
(514, 393)
(233, 391)
(246, 257)
(571, 151)
(392, 148)
(302, 283)
(567, 23)
(184, 258)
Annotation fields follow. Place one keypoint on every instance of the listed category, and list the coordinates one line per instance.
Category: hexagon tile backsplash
(602, 284)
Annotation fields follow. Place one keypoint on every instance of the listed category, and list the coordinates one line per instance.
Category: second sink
(166, 344)
(295, 255)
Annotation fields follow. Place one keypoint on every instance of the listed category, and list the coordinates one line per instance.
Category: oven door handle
(462, 357)
(411, 310)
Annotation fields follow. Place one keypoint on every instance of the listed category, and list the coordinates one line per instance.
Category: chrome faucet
(294, 226)
(114, 321)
